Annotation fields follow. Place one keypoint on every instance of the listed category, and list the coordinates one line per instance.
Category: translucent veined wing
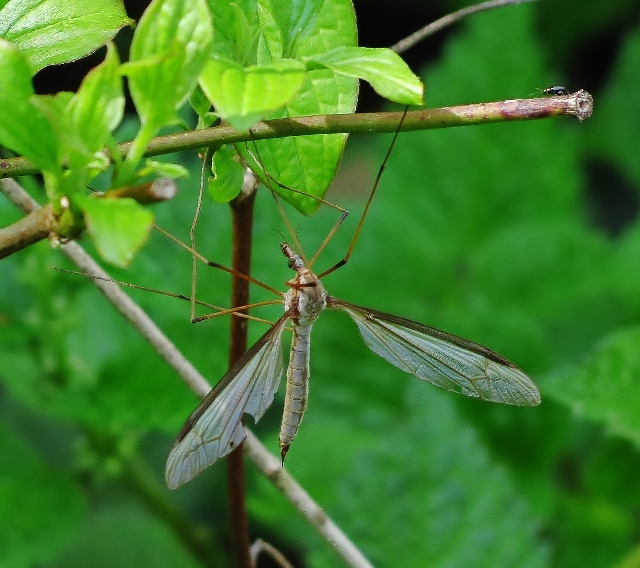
(214, 429)
(444, 360)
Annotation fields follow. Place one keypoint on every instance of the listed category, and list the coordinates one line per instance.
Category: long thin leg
(237, 311)
(216, 265)
(344, 214)
(367, 206)
(197, 257)
(192, 232)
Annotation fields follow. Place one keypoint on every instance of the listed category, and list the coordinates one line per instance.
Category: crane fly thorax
(306, 295)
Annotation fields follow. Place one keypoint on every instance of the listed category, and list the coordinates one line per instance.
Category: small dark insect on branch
(555, 91)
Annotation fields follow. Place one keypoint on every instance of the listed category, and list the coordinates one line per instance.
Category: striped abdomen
(297, 391)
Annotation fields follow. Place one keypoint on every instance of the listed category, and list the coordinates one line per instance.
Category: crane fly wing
(215, 429)
(445, 360)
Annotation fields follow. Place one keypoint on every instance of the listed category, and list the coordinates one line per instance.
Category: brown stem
(579, 104)
(157, 191)
(34, 227)
(43, 222)
(242, 221)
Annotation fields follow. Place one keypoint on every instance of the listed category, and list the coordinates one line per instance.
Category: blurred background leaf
(142, 540)
(38, 523)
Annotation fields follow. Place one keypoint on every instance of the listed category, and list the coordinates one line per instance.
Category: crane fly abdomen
(297, 389)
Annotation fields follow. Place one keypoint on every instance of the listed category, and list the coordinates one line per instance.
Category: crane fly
(215, 427)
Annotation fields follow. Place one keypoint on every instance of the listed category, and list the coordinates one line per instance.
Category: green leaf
(20, 118)
(383, 69)
(243, 96)
(306, 164)
(98, 106)
(202, 106)
(81, 162)
(295, 21)
(164, 169)
(169, 48)
(606, 388)
(40, 508)
(58, 360)
(449, 521)
(118, 227)
(83, 123)
(50, 32)
(228, 175)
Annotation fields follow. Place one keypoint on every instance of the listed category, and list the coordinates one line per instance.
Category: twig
(42, 222)
(434, 27)
(282, 479)
(577, 104)
(261, 546)
(156, 191)
(34, 227)
(125, 305)
(196, 382)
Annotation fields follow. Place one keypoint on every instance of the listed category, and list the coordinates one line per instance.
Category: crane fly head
(293, 260)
